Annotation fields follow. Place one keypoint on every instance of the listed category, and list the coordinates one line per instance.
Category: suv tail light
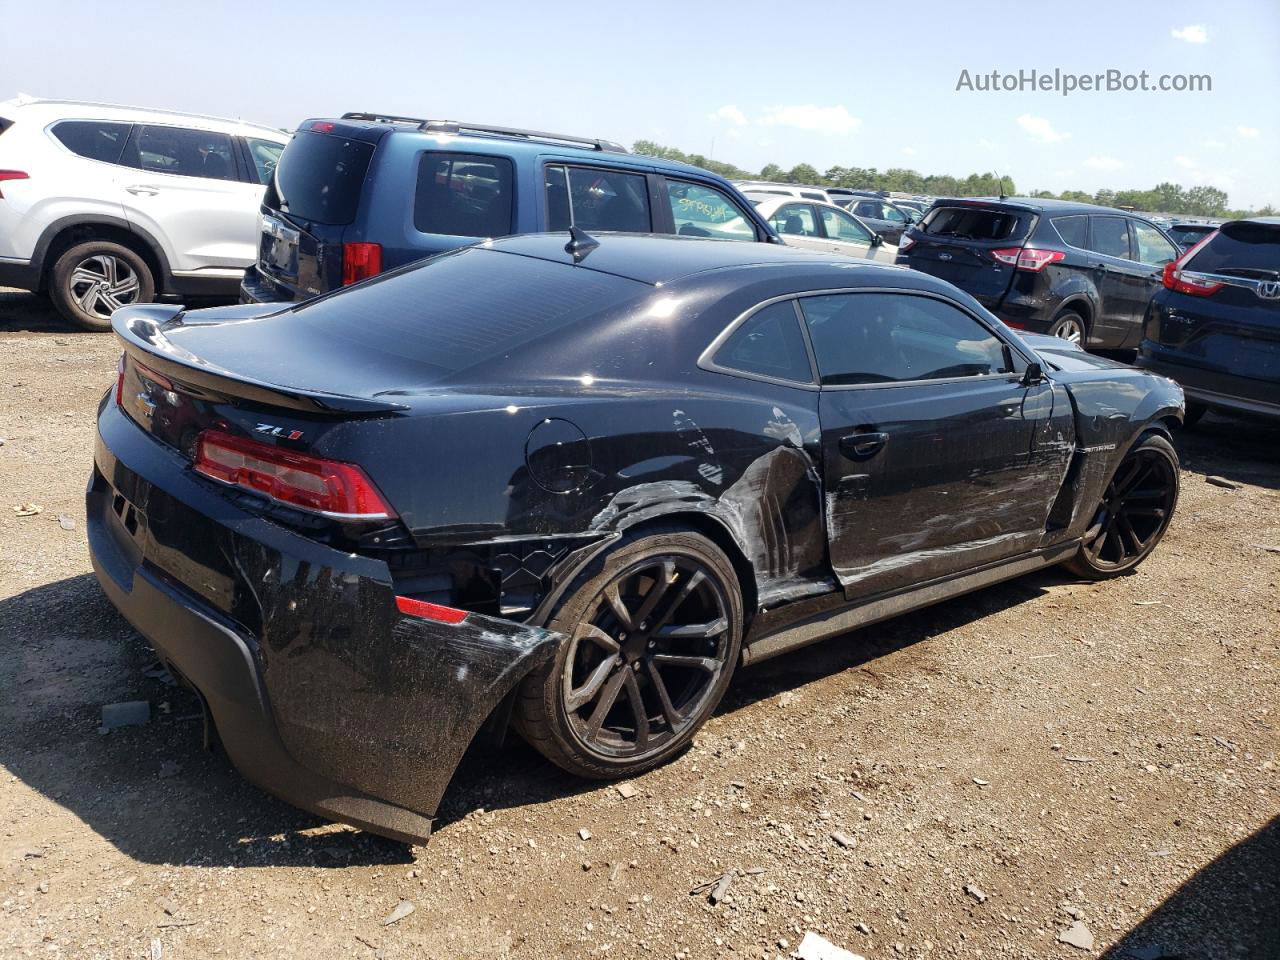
(906, 243)
(1028, 258)
(430, 611)
(11, 175)
(1176, 280)
(360, 261)
(339, 490)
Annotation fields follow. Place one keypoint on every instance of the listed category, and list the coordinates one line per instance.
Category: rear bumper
(322, 692)
(1223, 391)
(255, 288)
(22, 274)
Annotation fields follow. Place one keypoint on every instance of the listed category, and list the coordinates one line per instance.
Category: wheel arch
(63, 234)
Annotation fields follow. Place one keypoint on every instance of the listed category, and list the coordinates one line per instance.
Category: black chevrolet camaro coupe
(572, 486)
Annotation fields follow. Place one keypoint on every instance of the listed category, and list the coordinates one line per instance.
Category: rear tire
(93, 279)
(1071, 326)
(1134, 512)
(654, 633)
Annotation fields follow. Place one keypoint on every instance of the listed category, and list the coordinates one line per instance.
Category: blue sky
(748, 82)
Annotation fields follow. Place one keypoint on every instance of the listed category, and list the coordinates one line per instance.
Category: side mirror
(1032, 375)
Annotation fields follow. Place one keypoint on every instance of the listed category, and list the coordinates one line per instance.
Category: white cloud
(1103, 163)
(1192, 33)
(1038, 128)
(730, 114)
(1249, 132)
(1214, 144)
(807, 116)
(1187, 162)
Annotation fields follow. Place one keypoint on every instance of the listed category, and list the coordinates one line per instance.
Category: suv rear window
(93, 139)
(463, 195)
(319, 177)
(975, 223)
(1243, 249)
(459, 309)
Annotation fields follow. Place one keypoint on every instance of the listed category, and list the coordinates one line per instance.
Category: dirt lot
(1003, 764)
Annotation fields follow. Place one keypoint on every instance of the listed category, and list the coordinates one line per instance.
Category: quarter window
(1073, 230)
(463, 195)
(265, 154)
(795, 220)
(769, 344)
(861, 338)
(701, 211)
(183, 152)
(893, 213)
(1110, 237)
(93, 139)
(841, 226)
(1153, 248)
(593, 198)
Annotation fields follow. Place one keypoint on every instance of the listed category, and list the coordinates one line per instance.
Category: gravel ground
(996, 768)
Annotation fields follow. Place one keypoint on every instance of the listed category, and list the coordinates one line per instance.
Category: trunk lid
(954, 243)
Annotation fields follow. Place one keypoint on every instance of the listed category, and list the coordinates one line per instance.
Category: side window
(597, 199)
(809, 195)
(265, 154)
(463, 195)
(1152, 247)
(768, 343)
(1110, 237)
(93, 139)
(868, 208)
(1073, 230)
(701, 211)
(863, 338)
(841, 226)
(890, 212)
(183, 152)
(795, 220)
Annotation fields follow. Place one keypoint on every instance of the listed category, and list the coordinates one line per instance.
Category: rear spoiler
(141, 330)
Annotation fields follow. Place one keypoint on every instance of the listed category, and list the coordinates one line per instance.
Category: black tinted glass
(1249, 249)
(1073, 230)
(597, 199)
(451, 312)
(94, 139)
(968, 223)
(319, 177)
(463, 195)
(770, 344)
(1110, 237)
(182, 152)
(861, 338)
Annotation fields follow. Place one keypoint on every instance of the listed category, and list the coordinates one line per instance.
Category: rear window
(1243, 249)
(975, 223)
(463, 195)
(93, 139)
(5, 124)
(1073, 230)
(319, 177)
(462, 308)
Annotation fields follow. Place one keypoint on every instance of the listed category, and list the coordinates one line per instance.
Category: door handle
(863, 446)
(143, 190)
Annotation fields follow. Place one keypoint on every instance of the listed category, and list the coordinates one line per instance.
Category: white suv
(102, 206)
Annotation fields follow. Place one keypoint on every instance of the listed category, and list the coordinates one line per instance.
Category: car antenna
(580, 244)
(1002, 193)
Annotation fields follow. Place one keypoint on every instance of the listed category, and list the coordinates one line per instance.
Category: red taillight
(1015, 324)
(120, 381)
(1028, 258)
(429, 611)
(335, 489)
(11, 175)
(360, 261)
(322, 126)
(906, 243)
(1176, 280)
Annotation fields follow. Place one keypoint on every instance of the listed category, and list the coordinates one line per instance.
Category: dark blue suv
(358, 195)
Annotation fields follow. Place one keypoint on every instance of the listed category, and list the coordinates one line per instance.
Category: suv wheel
(1069, 326)
(654, 632)
(93, 279)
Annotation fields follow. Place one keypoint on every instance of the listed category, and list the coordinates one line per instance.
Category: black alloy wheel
(1134, 512)
(652, 643)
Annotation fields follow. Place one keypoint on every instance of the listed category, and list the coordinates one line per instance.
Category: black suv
(1076, 271)
(1215, 327)
(366, 192)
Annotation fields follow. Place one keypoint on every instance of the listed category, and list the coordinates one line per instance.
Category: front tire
(1070, 326)
(94, 279)
(654, 634)
(1134, 512)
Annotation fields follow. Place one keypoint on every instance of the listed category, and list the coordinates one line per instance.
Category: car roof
(46, 111)
(1040, 205)
(763, 199)
(662, 259)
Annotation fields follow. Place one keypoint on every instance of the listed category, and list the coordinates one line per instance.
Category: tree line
(1201, 201)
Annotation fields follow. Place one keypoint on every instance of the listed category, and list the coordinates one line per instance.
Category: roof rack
(458, 126)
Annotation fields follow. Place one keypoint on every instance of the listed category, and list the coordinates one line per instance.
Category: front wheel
(1134, 513)
(1069, 326)
(654, 633)
(94, 279)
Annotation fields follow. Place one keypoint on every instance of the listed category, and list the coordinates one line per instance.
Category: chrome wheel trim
(102, 284)
(1069, 329)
